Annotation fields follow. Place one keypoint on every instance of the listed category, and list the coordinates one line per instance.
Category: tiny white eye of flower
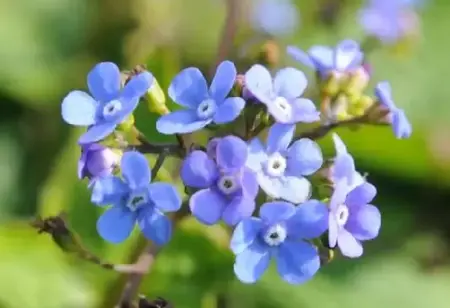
(275, 235)
(135, 201)
(342, 214)
(112, 108)
(276, 165)
(206, 108)
(283, 105)
(228, 184)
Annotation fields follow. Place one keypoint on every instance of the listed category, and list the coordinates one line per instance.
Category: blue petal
(251, 263)
(154, 225)
(207, 206)
(223, 81)
(400, 124)
(364, 222)
(231, 153)
(343, 168)
(383, 93)
(310, 220)
(348, 55)
(249, 183)
(360, 195)
(289, 188)
(229, 110)
(333, 230)
(300, 56)
(104, 81)
(135, 170)
(128, 106)
(198, 170)
(164, 196)
(256, 154)
(349, 245)
(339, 145)
(323, 57)
(180, 122)
(244, 234)
(290, 83)
(108, 190)
(189, 88)
(116, 224)
(137, 86)
(274, 212)
(97, 132)
(78, 108)
(237, 209)
(259, 82)
(304, 110)
(279, 137)
(304, 157)
(341, 189)
(297, 262)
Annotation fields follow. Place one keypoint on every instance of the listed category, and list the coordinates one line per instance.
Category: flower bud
(358, 81)
(331, 85)
(97, 160)
(156, 99)
(359, 107)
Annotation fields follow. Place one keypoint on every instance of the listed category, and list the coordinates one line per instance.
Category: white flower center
(228, 184)
(136, 200)
(112, 108)
(206, 108)
(275, 235)
(282, 105)
(342, 215)
(276, 165)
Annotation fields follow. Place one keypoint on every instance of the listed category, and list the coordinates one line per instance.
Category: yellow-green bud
(332, 85)
(357, 82)
(359, 107)
(127, 124)
(156, 99)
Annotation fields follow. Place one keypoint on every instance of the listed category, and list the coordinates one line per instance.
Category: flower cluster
(240, 171)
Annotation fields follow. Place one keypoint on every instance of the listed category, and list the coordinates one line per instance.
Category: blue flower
(389, 20)
(227, 187)
(345, 57)
(275, 17)
(108, 106)
(280, 233)
(96, 161)
(203, 106)
(280, 167)
(135, 199)
(401, 126)
(282, 94)
(344, 165)
(351, 219)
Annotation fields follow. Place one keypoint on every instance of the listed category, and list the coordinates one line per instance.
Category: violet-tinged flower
(282, 94)
(281, 167)
(351, 219)
(96, 161)
(389, 20)
(401, 126)
(108, 106)
(344, 165)
(203, 106)
(275, 17)
(280, 233)
(227, 187)
(134, 199)
(345, 57)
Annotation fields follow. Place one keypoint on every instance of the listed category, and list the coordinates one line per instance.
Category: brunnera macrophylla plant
(261, 172)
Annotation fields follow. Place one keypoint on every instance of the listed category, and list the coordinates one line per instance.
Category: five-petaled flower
(203, 106)
(227, 187)
(351, 219)
(279, 233)
(135, 199)
(108, 106)
(344, 58)
(400, 124)
(282, 94)
(281, 167)
(96, 161)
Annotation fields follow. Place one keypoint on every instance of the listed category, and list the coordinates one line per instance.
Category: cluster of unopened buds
(306, 204)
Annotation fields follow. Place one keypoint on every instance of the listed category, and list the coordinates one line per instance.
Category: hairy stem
(228, 33)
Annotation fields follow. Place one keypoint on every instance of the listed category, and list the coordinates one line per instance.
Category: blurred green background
(46, 49)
